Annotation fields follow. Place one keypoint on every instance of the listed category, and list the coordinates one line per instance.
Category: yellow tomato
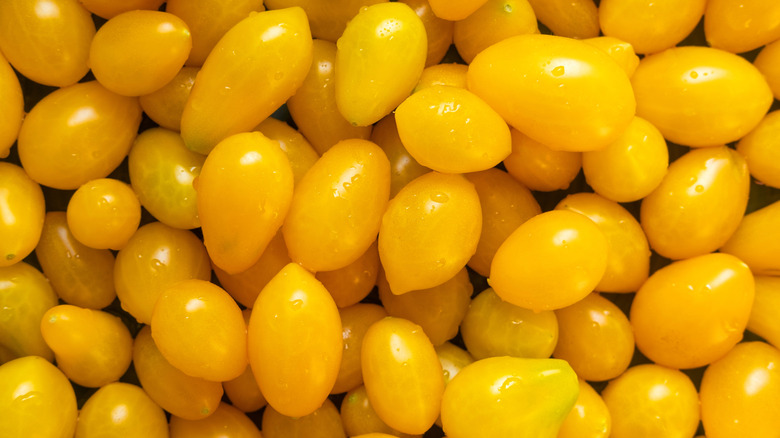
(402, 375)
(92, 347)
(295, 342)
(589, 418)
(650, 26)
(765, 307)
(225, 422)
(256, 66)
(353, 282)
(756, 241)
(700, 96)
(355, 321)
(138, 52)
(692, 312)
(360, 419)
(563, 93)
(109, 8)
(740, 393)
(244, 191)
(494, 21)
(619, 50)
(299, 151)
(761, 155)
(451, 130)
(47, 40)
(699, 203)
(166, 105)
(550, 261)
(568, 18)
(36, 400)
(104, 213)
(768, 63)
(438, 31)
(429, 231)
(11, 107)
(243, 392)
(327, 19)
(120, 410)
(453, 75)
(454, 10)
(741, 26)
(540, 168)
(76, 134)
(403, 167)
(379, 59)
(337, 207)
(22, 211)
(325, 422)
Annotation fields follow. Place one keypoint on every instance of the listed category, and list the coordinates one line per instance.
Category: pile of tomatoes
(471, 218)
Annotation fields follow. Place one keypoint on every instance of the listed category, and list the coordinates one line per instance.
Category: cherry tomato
(301, 154)
(767, 302)
(403, 167)
(741, 27)
(619, 50)
(494, 21)
(225, 422)
(693, 311)
(540, 168)
(109, 8)
(104, 213)
(452, 360)
(760, 154)
(455, 10)
(355, 321)
(568, 18)
(166, 105)
(22, 211)
(589, 418)
(453, 75)
(121, 410)
(327, 20)
(768, 63)
(353, 282)
(243, 392)
(438, 31)
(11, 107)
(360, 419)
(756, 242)
(325, 422)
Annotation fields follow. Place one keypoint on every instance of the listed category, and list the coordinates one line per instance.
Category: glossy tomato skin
(121, 409)
(166, 105)
(567, 18)
(768, 63)
(350, 284)
(692, 312)
(756, 242)
(438, 31)
(360, 419)
(452, 74)
(455, 10)
(494, 21)
(767, 301)
(760, 154)
(104, 213)
(403, 167)
(698, 205)
(299, 151)
(11, 108)
(226, 421)
(486, 396)
(109, 8)
(741, 27)
(589, 418)
(355, 322)
(740, 393)
(327, 20)
(700, 96)
(325, 422)
(21, 200)
(540, 168)
(620, 51)
(563, 93)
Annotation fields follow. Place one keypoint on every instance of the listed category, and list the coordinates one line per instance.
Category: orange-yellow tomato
(494, 21)
(162, 171)
(699, 203)
(509, 396)
(92, 347)
(455, 10)
(742, 26)
(563, 93)
(337, 207)
(360, 419)
(353, 282)
(492, 327)
(765, 307)
(768, 63)
(36, 400)
(756, 242)
(568, 18)
(120, 410)
(650, 26)
(22, 210)
(379, 59)
(630, 168)
(138, 52)
(325, 422)
(452, 360)
(166, 105)
(506, 204)
(327, 20)
(402, 375)
(540, 168)
(429, 231)
(589, 418)
(740, 393)
(355, 321)
(184, 396)
(452, 74)
(25, 295)
(243, 392)
(761, 155)
(11, 107)
(104, 213)
(438, 30)
(550, 261)
(209, 20)
(628, 253)
(77, 134)
(256, 66)
(80, 275)
(244, 191)
(403, 167)
(199, 329)
(700, 96)
(619, 50)
(313, 106)
(47, 40)
(225, 422)
(109, 8)
(438, 310)
(649, 401)
(692, 312)
(295, 342)
(301, 154)
(595, 337)
(157, 256)
(451, 130)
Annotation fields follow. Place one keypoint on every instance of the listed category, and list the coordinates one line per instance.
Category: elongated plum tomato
(740, 393)
(226, 421)
(438, 31)
(11, 107)
(739, 27)
(761, 155)
(451, 130)
(699, 203)
(700, 96)
(563, 93)
(509, 396)
(299, 151)
(256, 66)
(550, 261)
(337, 207)
(327, 20)
(380, 57)
(244, 191)
(325, 422)
(295, 321)
(589, 418)
(617, 49)
(166, 105)
(494, 21)
(429, 231)
(355, 321)
(402, 375)
(763, 321)
(756, 241)
(568, 18)
(692, 312)
(121, 409)
(36, 399)
(23, 209)
(454, 10)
